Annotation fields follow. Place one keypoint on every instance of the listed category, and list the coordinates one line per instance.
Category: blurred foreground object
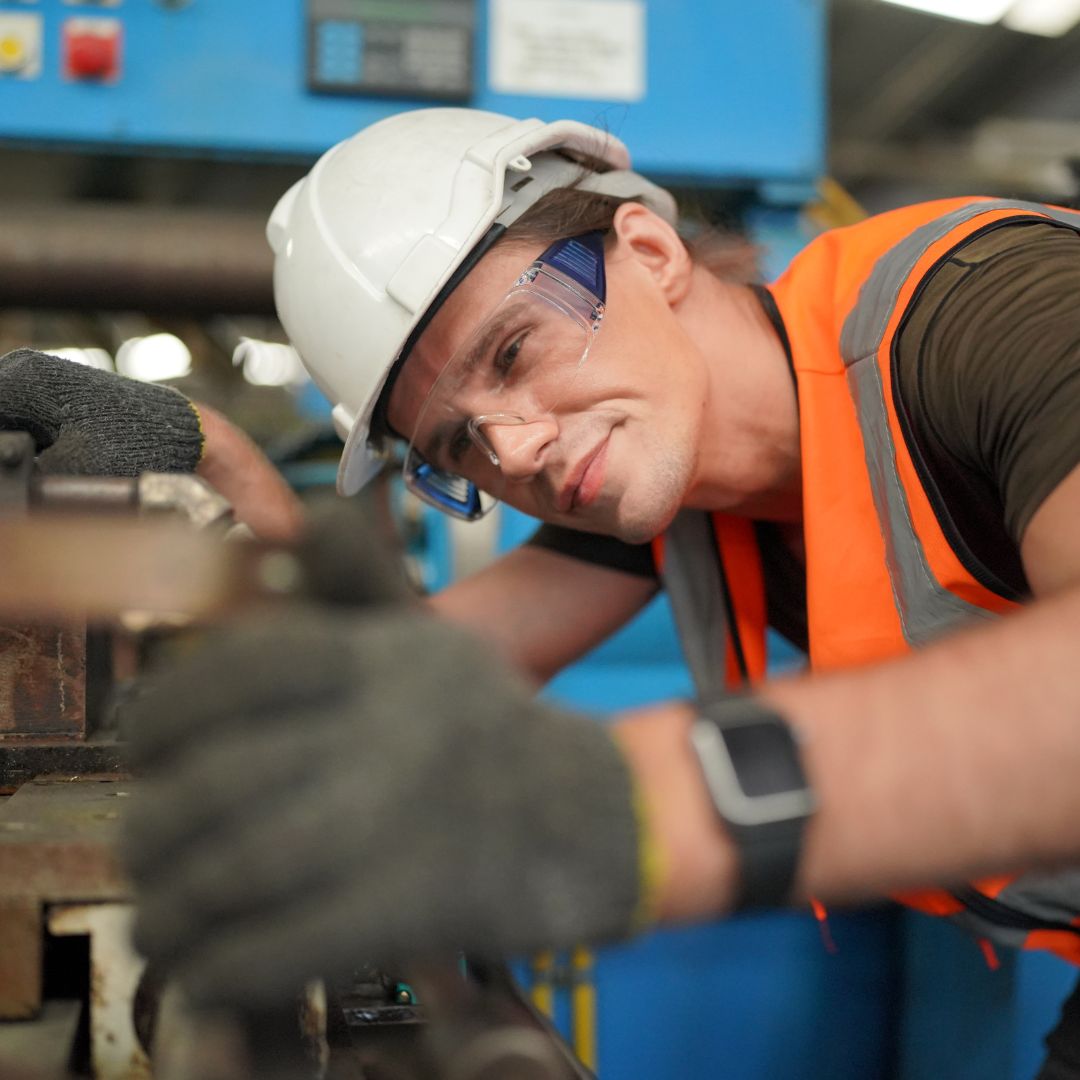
(77, 552)
(125, 562)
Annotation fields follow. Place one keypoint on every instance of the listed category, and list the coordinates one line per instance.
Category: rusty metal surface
(115, 970)
(62, 759)
(57, 844)
(58, 566)
(58, 839)
(39, 1049)
(485, 1028)
(42, 680)
(20, 957)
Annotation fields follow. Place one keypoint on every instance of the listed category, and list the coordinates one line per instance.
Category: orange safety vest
(881, 576)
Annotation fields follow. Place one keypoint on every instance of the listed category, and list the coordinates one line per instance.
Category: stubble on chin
(652, 502)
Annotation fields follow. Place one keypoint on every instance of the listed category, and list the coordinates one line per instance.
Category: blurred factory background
(143, 144)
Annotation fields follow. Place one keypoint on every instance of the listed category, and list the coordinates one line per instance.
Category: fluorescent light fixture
(153, 358)
(268, 363)
(976, 11)
(1050, 18)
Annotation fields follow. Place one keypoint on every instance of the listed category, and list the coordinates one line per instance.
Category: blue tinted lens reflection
(452, 493)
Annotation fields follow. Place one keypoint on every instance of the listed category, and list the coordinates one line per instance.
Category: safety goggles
(513, 369)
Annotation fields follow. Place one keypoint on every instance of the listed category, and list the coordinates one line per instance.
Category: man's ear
(656, 246)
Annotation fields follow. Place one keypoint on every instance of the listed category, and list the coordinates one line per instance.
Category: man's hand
(333, 787)
(235, 467)
(91, 422)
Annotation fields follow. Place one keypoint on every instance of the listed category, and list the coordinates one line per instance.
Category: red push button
(92, 50)
(91, 57)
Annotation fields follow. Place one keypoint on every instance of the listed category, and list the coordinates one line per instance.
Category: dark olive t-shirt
(986, 376)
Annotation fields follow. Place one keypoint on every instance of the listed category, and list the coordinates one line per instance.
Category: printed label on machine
(568, 48)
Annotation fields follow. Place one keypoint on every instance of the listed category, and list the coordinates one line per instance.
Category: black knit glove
(333, 786)
(91, 422)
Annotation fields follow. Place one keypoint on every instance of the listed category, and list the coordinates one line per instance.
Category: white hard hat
(366, 241)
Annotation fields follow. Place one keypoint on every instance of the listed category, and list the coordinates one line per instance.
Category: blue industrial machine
(709, 94)
(708, 91)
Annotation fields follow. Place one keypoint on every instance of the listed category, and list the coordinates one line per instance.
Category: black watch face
(764, 758)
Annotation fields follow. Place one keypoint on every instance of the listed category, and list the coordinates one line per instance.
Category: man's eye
(507, 356)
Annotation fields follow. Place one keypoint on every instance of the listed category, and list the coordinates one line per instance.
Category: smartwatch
(750, 758)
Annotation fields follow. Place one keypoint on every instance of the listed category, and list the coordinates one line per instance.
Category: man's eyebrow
(479, 348)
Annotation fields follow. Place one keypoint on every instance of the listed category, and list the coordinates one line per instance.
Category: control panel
(410, 47)
(703, 91)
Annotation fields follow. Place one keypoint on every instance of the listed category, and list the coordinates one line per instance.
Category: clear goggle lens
(515, 367)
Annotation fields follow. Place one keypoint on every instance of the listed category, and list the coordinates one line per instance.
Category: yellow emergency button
(13, 52)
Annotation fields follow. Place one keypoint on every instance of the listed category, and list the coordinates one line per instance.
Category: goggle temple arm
(452, 495)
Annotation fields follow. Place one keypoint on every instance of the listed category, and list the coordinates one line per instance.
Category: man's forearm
(957, 761)
(542, 610)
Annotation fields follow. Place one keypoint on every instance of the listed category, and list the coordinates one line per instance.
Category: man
(570, 356)
(609, 413)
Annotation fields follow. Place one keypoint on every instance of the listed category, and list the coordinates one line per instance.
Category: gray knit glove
(328, 787)
(90, 422)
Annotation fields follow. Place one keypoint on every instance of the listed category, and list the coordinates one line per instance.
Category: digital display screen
(765, 758)
(407, 48)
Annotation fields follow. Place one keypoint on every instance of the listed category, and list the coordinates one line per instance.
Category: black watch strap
(769, 860)
(751, 762)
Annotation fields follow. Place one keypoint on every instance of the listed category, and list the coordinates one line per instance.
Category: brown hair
(569, 211)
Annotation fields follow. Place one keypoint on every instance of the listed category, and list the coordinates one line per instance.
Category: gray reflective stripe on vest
(983, 928)
(926, 608)
(1052, 898)
(695, 588)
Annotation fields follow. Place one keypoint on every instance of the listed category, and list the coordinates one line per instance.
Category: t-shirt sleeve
(991, 379)
(600, 550)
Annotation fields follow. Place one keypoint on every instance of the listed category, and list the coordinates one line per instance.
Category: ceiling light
(976, 11)
(154, 358)
(1050, 18)
(268, 363)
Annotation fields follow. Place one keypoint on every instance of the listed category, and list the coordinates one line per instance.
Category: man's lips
(586, 479)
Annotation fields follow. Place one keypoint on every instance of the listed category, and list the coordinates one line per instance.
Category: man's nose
(521, 448)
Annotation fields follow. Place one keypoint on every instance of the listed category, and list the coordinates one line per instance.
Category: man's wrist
(694, 860)
(752, 764)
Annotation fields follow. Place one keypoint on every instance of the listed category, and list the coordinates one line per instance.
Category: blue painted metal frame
(960, 1019)
(735, 91)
